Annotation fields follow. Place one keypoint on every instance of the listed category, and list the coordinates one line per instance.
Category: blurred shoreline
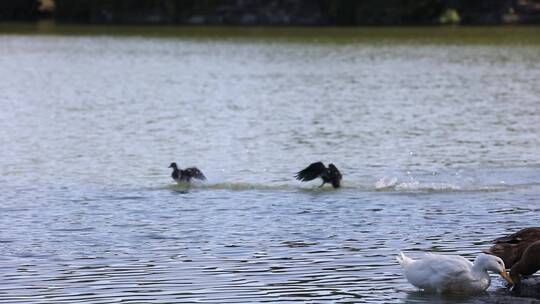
(444, 35)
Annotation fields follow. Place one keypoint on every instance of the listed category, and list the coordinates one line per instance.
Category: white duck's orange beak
(506, 277)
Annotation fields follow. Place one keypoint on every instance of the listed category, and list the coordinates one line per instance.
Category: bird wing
(195, 173)
(523, 234)
(311, 172)
(509, 239)
(438, 272)
(451, 265)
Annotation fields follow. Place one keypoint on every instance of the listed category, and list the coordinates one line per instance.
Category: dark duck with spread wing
(328, 175)
(185, 176)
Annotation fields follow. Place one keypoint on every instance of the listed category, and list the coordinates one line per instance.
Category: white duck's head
(487, 262)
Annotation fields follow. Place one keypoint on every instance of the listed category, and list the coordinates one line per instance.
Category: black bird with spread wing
(185, 176)
(328, 175)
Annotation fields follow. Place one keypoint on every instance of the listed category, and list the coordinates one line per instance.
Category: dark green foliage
(73, 10)
(18, 9)
(483, 12)
(397, 12)
(286, 12)
(281, 12)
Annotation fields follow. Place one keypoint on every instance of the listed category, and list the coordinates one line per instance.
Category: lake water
(437, 139)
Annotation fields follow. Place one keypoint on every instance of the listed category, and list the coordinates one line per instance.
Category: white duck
(452, 273)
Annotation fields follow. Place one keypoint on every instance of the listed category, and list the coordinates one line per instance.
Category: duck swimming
(527, 265)
(328, 175)
(452, 273)
(185, 176)
(510, 248)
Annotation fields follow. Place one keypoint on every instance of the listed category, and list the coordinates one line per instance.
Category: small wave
(386, 183)
(231, 186)
(247, 186)
(418, 186)
(392, 184)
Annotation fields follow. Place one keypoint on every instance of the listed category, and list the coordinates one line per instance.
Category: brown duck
(527, 265)
(510, 248)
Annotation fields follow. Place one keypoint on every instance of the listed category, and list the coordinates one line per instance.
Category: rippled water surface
(438, 144)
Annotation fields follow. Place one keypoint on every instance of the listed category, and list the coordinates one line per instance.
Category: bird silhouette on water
(185, 176)
(318, 169)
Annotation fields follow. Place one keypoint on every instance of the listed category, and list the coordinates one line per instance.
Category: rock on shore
(530, 294)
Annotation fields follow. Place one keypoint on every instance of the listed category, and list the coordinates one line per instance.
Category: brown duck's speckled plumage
(527, 265)
(511, 247)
